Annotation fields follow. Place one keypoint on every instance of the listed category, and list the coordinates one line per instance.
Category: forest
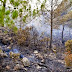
(35, 35)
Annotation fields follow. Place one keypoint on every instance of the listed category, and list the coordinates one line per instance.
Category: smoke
(44, 27)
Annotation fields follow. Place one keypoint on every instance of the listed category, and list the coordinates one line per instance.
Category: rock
(18, 67)
(11, 53)
(0, 47)
(9, 38)
(54, 51)
(42, 61)
(0, 31)
(1, 51)
(60, 56)
(7, 51)
(52, 55)
(39, 56)
(8, 67)
(14, 55)
(15, 50)
(45, 55)
(8, 47)
(25, 61)
(35, 52)
(6, 39)
(21, 56)
(3, 55)
(38, 67)
(25, 69)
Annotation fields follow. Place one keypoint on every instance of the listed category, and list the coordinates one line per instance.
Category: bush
(44, 41)
(68, 60)
(68, 45)
(27, 36)
(23, 37)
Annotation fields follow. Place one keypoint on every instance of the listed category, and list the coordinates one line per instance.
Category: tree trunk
(62, 34)
(34, 41)
(51, 23)
(21, 21)
(33, 35)
(47, 43)
(69, 34)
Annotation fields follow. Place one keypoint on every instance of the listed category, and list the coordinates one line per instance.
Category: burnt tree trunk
(62, 34)
(47, 43)
(51, 23)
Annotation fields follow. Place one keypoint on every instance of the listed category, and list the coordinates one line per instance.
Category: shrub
(68, 45)
(23, 36)
(44, 41)
(27, 36)
(68, 60)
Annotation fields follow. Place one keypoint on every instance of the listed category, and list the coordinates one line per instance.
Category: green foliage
(1, 16)
(5, 32)
(16, 3)
(68, 45)
(29, 7)
(12, 1)
(12, 22)
(14, 14)
(24, 7)
(37, 11)
(42, 6)
(24, 18)
(20, 10)
(7, 19)
(15, 29)
(25, 2)
(45, 1)
(7, 12)
(34, 12)
(1, 0)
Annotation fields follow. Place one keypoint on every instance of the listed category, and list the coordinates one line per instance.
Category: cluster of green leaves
(1, 16)
(24, 18)
(9, 21)
(7, 12)
(34, 12)
(14, 14)
(10, 24)
(15, 2)
(42, 6)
